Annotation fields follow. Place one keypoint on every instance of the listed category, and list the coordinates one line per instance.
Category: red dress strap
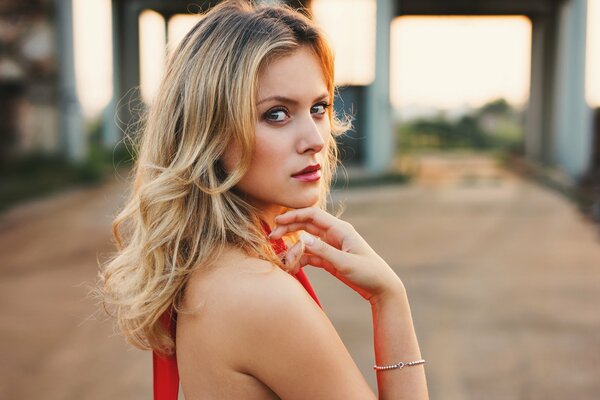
(165, 372)
(165, 377)
(303, 279)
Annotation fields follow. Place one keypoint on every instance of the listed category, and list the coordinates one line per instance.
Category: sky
(443, 62)
(93, 54)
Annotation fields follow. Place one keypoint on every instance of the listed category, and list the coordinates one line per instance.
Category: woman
(237, 153)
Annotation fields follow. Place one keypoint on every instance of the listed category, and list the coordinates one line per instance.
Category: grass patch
(38, 175)
(388, 179)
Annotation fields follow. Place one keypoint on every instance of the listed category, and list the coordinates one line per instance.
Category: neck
(268, 214)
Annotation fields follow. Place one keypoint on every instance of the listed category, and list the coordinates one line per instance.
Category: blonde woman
(237, 154)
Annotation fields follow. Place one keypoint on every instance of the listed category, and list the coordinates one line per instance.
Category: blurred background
(473, 168)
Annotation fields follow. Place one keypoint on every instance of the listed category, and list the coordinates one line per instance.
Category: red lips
(309, 169)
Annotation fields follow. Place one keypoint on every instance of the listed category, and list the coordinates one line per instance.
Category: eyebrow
(284, 99)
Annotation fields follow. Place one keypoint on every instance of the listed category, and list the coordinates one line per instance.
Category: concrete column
(71, 121)
(111, 133)
(380, 146)
(538, 130)
(572, 116)
(126, 67)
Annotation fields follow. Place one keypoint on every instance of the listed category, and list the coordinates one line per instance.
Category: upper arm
(286, 341)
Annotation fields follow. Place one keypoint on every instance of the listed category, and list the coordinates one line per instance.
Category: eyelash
(266, 115)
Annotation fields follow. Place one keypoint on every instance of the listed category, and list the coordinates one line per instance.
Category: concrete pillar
(126, 67)
(538, 128)
(380, 146)
(572, 116)
(71, 121)
(111, 133)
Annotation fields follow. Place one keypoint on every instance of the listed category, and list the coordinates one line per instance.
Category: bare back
(252, 331)
(206, 354)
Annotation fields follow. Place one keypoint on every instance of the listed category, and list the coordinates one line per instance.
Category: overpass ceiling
(475, 7)
(402, 7)
(172, 7)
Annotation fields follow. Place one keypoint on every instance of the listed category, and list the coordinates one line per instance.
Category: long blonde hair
(181, 212)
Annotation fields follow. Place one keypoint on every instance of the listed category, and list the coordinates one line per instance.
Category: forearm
(395, 340)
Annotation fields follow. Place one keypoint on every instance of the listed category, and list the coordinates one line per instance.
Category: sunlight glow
(449, 62)
(592, 76)
(153, 40)
(92, 42)
(179, 25)
(436, 61)
(350, 27)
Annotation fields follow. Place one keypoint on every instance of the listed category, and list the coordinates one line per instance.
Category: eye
(276, 115)
(319, 108)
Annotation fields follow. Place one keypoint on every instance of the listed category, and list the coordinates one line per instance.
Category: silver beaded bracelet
(400, 365)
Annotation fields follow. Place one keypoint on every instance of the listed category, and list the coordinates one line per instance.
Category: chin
(308, 201)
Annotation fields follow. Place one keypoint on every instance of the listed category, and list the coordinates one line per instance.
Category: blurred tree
(498, 107)
(495, 125)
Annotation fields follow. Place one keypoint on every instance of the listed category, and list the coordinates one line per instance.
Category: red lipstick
(311, 173)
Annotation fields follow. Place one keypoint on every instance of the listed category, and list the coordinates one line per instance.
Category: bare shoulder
(267, 326)
(244, 285)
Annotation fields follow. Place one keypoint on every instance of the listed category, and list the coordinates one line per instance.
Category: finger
(314, 220)
(318, 262)
(281, 230)
(326, 252)
(292, 258)
(312, 215)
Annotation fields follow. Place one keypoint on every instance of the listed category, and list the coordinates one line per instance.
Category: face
(292, 133)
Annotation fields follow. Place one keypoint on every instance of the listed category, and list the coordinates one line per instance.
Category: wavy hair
(181, 212)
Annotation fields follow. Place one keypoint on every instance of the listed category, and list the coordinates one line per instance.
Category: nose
(311, 135)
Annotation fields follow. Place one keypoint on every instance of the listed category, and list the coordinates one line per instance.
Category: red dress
(165, 373)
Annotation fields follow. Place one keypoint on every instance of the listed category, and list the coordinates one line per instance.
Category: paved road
(503, 277)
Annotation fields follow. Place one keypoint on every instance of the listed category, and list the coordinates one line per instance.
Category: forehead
(296, 75)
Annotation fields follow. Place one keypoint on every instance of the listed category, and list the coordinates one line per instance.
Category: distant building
(29, 94)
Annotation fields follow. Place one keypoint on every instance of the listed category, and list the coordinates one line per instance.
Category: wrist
(393, 294)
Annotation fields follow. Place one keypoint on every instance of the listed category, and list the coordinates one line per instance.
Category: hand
(293, 257)
(341, 251)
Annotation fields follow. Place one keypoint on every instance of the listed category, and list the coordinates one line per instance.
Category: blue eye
(276, 115)
(320, 108)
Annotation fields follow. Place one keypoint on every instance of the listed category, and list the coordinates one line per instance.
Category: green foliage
(498, 107)
(38, 174)
(494, 126)
(390, 178)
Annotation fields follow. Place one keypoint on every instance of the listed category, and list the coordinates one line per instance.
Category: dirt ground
(503, 278)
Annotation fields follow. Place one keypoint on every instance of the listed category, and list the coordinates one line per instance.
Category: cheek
(325, 128)
(267, 160)
(232, 156)
(270, 153)
(327, 138)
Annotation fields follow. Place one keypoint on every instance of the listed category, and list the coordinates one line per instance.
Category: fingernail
(272, 231)
(307, 238)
